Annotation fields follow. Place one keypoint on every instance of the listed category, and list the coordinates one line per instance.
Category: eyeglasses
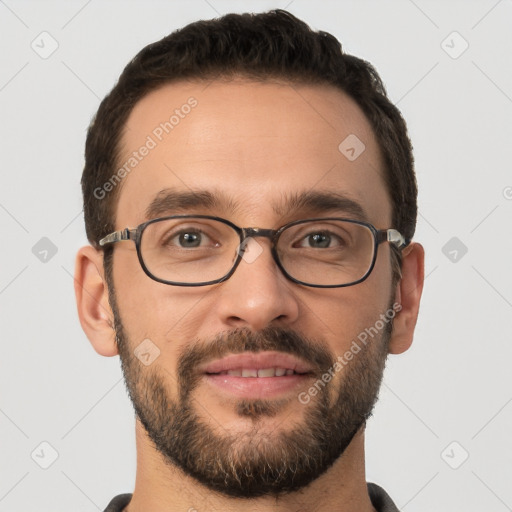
(198, 250)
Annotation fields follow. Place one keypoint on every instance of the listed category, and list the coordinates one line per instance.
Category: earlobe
(91, 294)
(408, 294)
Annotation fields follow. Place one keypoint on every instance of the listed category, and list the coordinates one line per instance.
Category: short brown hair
(273, 44)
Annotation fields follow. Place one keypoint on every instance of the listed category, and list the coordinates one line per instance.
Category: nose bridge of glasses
(255, 232)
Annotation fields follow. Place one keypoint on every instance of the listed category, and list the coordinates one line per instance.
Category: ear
(91, 294)
(408, 294)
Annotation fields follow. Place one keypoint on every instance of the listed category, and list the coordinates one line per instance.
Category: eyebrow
(170, 201)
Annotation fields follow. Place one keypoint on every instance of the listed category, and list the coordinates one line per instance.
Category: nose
(257, 294)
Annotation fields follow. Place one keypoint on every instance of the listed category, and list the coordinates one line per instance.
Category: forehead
(256, 149)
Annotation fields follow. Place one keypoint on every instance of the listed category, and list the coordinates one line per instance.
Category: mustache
(242, 340)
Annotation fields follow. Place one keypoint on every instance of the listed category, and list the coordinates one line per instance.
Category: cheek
(378, 283)
(167, 315)
(342, 316)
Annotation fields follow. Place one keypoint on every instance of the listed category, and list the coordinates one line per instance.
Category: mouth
(261, 372)
(262, 375)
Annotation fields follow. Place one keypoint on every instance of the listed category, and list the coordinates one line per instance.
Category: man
(250, 199)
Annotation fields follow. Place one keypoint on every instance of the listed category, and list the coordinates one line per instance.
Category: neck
(161, 487)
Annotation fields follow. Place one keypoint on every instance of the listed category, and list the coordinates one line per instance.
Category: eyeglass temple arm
(118, 236)
(393, 236)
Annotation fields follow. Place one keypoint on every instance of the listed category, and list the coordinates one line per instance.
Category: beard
(258, 461)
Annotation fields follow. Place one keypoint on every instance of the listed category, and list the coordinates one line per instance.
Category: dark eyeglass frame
(391, 235)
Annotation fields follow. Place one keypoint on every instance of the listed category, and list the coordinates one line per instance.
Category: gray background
(454, 385)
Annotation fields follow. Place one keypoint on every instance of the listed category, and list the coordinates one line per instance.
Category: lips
(255, 372)
(262, 375)
(258, 365)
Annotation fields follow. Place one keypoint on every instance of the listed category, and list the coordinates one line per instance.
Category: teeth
(253, 372)
(267, 372)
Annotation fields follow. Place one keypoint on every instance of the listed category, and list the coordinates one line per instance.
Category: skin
(254, 141)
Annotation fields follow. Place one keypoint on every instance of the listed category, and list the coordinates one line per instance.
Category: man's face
(255, 145)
